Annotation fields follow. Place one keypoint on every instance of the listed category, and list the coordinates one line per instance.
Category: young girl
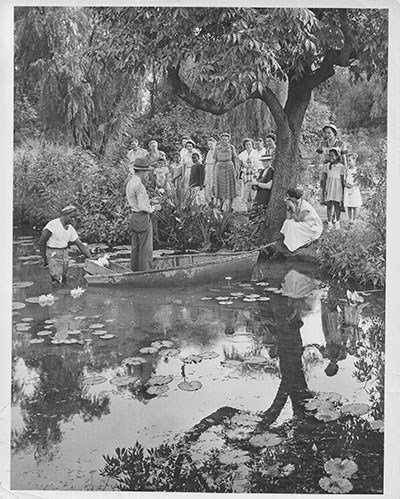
(352, 196)
(333, 185)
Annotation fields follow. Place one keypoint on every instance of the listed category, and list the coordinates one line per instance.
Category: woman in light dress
(225, 171)
(302, 225)
(333, 186)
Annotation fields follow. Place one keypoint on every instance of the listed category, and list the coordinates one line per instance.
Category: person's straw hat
(142, 165)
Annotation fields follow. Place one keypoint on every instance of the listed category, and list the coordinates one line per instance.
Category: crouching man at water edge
(141, 224)
(56, 237)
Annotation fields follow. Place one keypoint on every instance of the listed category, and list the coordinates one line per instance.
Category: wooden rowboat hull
(176, 270)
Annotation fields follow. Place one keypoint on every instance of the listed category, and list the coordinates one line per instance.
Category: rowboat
(175, 270)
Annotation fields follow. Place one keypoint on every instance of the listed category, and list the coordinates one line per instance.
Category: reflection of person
(57, 235)
(335, 349)
(302, 224)
(141, 225)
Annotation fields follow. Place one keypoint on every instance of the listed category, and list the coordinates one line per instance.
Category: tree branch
(273, 104)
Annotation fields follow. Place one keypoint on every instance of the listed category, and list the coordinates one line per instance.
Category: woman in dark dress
(263, 184)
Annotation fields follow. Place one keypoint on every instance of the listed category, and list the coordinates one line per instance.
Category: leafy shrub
(355, 255)
(166, 468)
(47, 177)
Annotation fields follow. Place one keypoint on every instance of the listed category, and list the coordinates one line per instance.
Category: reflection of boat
(175, 270)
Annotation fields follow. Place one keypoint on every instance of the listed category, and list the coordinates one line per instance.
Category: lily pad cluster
(339, 472)
(328, 407)
(244, 295)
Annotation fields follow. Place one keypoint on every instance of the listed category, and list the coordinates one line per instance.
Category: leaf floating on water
(160, 380)
(265, 440)
(22, 284)
(335, 485)
(36, 340)
(44, 333)
(262, 283)
(355, 409)
(272, 289)
(190, 386)
(193, 359)
(327, 415)
(234, 456)
(99, 332)
(16, 305)
(341, 468)
(157, 390)
(74, 331)
(246, 419)
(96, 326)
(124, 380)
(321, 405)
(253, 295)
(133, 361)
(148, 350)
(27, 319)
(255, 360)
(249, 299)
(237, 293)
(81, 317)
(49, 326)
(263, 298)
(50, 321)
(32, 299)
(107, 336)
(162, 344)
(170, 352)
(222, 298)
(208, 355)
(94, 380)
(227, 302)
(109, 320)
(205, 298)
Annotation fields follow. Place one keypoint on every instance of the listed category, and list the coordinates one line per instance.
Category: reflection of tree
(59, 395)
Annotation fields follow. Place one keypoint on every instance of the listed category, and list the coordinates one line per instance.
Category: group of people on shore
(223, 175)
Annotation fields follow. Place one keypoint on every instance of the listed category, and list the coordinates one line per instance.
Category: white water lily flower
(77, 292)
(46, 300)
(103, 261)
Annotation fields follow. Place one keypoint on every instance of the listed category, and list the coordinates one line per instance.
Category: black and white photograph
(200, 250)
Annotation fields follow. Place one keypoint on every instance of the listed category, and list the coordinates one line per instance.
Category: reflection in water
(265, 356)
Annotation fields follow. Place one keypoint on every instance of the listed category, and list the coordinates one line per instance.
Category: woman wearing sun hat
(225, 171)
(56, 237)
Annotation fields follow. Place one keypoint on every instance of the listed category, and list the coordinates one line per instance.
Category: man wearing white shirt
(56, 237)
(141, 224)
(135, 152)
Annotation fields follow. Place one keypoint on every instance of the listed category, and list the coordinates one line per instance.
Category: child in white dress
(352, 196)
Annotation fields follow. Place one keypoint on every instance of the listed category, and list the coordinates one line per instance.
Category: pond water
(75, 397)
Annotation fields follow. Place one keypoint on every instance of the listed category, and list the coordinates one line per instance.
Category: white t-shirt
(60, 237)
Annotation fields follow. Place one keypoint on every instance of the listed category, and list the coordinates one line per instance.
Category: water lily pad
(32, 299)
(48, 327)
(29, 258)
(205, 298)
(124, 380)
(27, 319)
(157, 389)
(99, 332)
(96, 326)
(222, 298)
(193, 359)
(50, 321)
(22, 284)
(160, 380)
(327, 415)
(226, 302)
(234, 456)
(249, 299)
(190, 386)
(109, 320)
(262, 283)
(36, 340)
(16, 305)
(272, 289)
(208, 355)
(237, 293)
(74, 331)
(162, 344)
(72, 340)
(107, 336)
(81, 317)
(148, 350)
(133, 361)
(265, 440)
(239, 433)
(170, 352)
(377, 425)
(355, 409)
(94, 380)
(331, 396)
(44, 333)
(255, 360)
(341, 468)
(253, 295)
(23, 326)
(336, 485)
(321, 405)
(246, 419)
(263, 298)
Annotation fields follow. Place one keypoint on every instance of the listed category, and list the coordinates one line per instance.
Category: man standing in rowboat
(141, 224)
